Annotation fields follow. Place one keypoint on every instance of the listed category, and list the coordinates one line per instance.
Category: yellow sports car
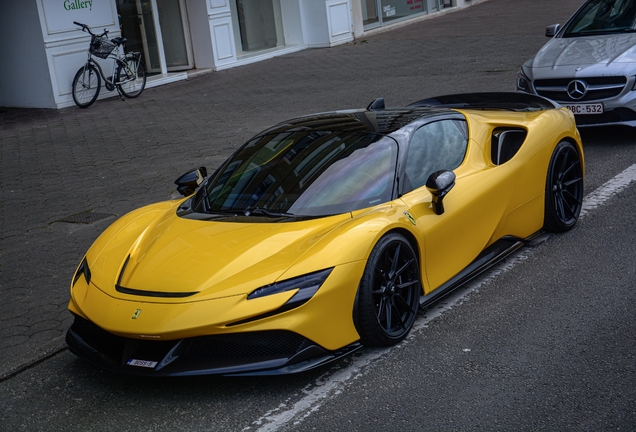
(323, 234)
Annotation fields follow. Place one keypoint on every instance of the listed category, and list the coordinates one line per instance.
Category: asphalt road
(545, 342)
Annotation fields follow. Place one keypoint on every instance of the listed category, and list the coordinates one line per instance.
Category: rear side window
(436, 146)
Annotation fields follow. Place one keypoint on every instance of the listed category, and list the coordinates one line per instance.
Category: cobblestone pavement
(102, 162)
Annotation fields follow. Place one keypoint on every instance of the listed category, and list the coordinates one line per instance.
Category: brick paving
(116, 156)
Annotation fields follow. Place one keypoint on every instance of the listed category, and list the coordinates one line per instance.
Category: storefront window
(379, 12)
(173, 32)
(257, 24)
(370, 13)
(137, 23)
(396, 9)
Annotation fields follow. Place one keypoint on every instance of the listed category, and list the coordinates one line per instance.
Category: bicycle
(129, 72)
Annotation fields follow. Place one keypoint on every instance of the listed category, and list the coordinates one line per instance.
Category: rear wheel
(132, 76)
(389, 293)
(86, 85)
(564, 189)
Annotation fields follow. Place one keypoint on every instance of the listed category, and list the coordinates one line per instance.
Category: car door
(473, 208)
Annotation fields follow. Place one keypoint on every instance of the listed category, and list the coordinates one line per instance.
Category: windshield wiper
(265, 212)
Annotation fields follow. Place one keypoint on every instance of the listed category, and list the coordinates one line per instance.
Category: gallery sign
(77, 4)
(60, 14)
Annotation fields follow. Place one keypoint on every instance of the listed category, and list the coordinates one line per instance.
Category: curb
(32, 358)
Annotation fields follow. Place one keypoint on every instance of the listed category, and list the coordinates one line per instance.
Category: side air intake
(505, 143)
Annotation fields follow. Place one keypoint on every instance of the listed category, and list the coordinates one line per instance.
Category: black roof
(490, 100)
(380, 120)
(366, 121)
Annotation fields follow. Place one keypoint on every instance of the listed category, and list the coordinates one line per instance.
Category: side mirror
(439, 184)
(552, 30)
(190, 181)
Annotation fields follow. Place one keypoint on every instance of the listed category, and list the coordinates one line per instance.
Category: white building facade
(41, 49)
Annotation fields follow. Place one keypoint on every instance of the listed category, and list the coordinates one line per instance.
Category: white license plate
(586, 109)
(141, 363)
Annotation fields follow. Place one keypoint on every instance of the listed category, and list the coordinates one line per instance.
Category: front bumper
(273, 352)
(618, 98)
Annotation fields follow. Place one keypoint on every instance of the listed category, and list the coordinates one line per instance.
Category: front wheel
(86, 85)
(131, 77)
(563, 189)
(389, 293)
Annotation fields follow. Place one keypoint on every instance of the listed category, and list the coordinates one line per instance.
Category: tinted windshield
(306, 174)
(603, 16)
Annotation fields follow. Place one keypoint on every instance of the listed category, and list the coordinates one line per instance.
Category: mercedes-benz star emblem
(577, 89)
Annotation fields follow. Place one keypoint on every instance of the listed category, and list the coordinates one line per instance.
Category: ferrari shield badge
(135, 315)
(410, 217)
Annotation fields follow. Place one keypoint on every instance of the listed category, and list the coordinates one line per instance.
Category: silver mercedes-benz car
(589, 65)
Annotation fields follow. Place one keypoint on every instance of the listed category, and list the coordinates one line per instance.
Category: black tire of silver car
(388, 296)
(564, 188)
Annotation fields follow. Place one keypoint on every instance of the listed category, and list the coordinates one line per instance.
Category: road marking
(333, 381)
(609, 189)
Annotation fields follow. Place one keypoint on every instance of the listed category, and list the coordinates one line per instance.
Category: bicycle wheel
(131, 77)
(86, 85)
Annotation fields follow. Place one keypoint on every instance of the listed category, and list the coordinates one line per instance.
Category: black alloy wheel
(564, 189)
(388, 296)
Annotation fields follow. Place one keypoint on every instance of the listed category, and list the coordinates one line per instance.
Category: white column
(162, 54)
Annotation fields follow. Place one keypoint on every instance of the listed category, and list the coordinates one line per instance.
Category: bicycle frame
(114, 56)
(126, 68)
(110, 82)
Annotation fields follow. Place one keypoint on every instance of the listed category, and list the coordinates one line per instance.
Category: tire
(563, 189)
(388, 296)
(86, 85)
(134, 73)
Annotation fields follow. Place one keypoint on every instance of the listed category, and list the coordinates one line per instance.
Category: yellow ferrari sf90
(324, 234)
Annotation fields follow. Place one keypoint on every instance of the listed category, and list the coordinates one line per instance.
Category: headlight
(82, 270)
(523, 82)
(307, 286)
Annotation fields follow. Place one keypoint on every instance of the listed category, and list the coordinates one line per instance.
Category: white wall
(314, 21)
(200, 31)
(326, 23)
(66, 45)
(222, 33)
(24, 75)
(292, 26)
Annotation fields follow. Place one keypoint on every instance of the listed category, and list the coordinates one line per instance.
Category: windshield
(603, 17)
(306, 173)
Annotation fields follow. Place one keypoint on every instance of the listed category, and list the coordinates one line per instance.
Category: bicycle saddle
(119, 40)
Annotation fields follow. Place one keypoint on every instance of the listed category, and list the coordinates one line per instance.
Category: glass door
(137, 22)
(148, 36)
(175, 34)
(370, 17)
(258, 25)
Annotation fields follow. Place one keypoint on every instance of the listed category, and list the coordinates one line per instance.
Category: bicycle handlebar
(88, 29)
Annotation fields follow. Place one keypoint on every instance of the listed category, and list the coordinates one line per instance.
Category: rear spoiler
(493, 100)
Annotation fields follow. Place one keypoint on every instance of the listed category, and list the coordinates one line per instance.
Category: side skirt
(486, 259)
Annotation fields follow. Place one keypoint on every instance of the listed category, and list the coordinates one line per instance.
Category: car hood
(167, 258)
(605, 51)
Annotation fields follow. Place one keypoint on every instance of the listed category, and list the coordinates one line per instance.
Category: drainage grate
(85, 217)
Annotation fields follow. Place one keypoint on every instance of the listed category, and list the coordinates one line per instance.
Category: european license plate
(141, 363)
(585, 109)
